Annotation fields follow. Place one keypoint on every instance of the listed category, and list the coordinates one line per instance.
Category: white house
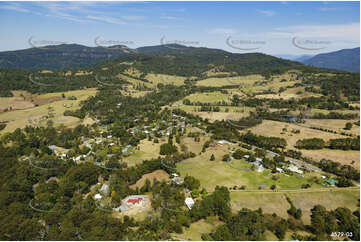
(177, 180)
(260, 168)
(104, 190)
(294, 168)
(279, 170)
(97, 196)
(78, 158)
(246, 156)
(189, 202)
(259, 159)
(224, 142)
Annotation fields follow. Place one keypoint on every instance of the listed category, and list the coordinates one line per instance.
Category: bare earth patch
(159, 175)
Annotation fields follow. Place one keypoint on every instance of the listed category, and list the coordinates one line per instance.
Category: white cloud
(15, 7)
(106, 19)
(267, 13)
(349, 31)
(327, 9)
(222, 31)
(169, 17)
(133, 18)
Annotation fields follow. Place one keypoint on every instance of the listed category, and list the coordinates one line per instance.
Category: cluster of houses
(128, 203)
(103, 192)
(176, 179)
(258, 163)
(165, 128)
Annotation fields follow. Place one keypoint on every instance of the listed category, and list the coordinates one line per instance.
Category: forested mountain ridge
(167, 59)
(345, 59)
(58, 57)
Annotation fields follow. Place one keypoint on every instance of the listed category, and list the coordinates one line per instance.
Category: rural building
(260, 168)
(127, 148)
(177, 180)
(58, 151)
(246, 156)
(332, 182)
(98, 196)
(134, 201)
(78, 158)
(189, 202)
(292, 118)
(259, 159)
(104, 190)
(280, 170)
(294, 168)
(224, 142)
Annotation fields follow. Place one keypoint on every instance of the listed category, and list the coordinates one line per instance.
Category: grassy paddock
(213, 173)
(277, 203)
(20, 118)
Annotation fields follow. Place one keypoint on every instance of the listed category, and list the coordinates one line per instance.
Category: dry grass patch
(212, 116)
(194, 146)
(14, 103)
(21, 118)
(290, 93)
(165, 79)
(195, 230)
(226, 81)
(330, 200)
(159, 175)
(147, 150)
(345, 157)
(274, 128)
(334, 124)
(269, 202)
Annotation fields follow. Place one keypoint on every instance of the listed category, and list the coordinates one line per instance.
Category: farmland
(20, 118)
(235, 173)
(275, 202)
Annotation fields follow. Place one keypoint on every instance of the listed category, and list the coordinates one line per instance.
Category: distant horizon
(273, 28)
(280, 55)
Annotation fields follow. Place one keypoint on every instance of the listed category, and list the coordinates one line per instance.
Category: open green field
(213, 173)
(334, 124)
(295, 92)
(147, 150)
(20, 118)
(291, 138)
(275, 202)
(209, 97)
(344, 157)
(195, 230)
(330, 200)
(165, 79)
(227, 81)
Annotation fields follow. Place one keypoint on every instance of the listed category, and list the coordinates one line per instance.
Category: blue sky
(293, 28)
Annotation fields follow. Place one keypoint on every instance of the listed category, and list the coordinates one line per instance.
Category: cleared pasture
(147, 150)
(227, 81)
(155, 79)
(21, 118)
(275, 202)
(195, 230)
(218, 172)
(275, 128)
(334, 124)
